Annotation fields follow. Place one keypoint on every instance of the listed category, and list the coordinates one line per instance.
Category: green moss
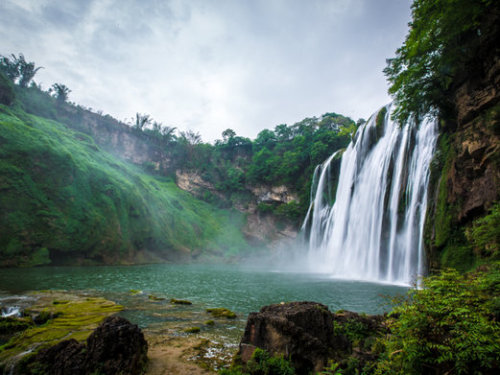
(443, 215)
(152, 297)
(484, 234)
(192, 330)
(76, 318)
(209, 323)
(460, 257)
(180, 302)
(221, 313)
(12, 325)
(380, 121)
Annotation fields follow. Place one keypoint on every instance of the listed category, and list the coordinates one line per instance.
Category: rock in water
(301, 331)
(117, 347)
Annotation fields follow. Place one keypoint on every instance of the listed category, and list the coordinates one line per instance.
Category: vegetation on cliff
(444, 38)
(447, 67)
(66, 201)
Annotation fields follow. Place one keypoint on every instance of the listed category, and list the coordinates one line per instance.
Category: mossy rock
(8, 325)
(180, 302)
(135, 292)
(75, 319)
(221, 312)
(380, 121)
(152, 297)
(192, 330)
(209, 323)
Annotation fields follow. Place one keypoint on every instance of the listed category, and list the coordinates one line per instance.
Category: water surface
(241, 289)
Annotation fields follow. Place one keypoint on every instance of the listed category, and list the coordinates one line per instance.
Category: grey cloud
(209, 65)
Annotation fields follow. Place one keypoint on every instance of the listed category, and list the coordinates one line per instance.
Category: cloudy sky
(209, 65)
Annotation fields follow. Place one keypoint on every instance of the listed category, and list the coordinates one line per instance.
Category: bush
(446, 327)
(262, 363)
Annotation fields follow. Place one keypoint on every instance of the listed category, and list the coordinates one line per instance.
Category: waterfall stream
(374, 230)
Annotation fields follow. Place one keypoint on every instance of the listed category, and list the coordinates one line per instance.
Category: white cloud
(208, 65)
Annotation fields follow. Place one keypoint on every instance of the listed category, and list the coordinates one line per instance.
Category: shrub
(446, 327)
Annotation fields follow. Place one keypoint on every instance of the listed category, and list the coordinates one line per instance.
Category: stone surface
(64, 358)
(301, 331)
(115, 347)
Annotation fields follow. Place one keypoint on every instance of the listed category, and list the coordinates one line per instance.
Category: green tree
(26, 70)
(9, 67)
(444, 38)
(141, 121)
(60, 91)
(228, 134)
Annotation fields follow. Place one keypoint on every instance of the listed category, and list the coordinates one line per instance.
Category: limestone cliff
(116, 137)
(261, 228)
(465, 178)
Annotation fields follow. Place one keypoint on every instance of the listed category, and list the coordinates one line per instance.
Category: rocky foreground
(64, 333)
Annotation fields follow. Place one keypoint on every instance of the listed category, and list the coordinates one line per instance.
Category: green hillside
(63, 200)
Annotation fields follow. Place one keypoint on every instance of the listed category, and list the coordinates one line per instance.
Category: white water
(374, 230)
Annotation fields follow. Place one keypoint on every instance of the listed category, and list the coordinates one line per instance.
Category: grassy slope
(61, 197)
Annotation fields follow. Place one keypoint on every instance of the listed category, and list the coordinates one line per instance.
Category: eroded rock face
(301, 331)
(474, 177)
(115, 347)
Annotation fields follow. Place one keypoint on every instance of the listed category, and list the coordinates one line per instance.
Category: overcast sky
(209, 65)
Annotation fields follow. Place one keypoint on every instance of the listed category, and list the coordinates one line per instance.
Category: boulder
(300, 331)
(115, 347)
(64, 358)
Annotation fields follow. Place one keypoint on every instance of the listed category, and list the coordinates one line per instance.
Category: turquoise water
(241, 289)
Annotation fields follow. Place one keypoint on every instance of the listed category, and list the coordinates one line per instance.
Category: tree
(9, 68)
(444, 38)
(17, 68)
(60, 91)
(141, 121)
(167, 133)
(228, 134)
(191, 137)
(26, 70)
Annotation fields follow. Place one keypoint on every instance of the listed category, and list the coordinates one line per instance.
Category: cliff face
(465, 177)
(117, 137)
(261, 228)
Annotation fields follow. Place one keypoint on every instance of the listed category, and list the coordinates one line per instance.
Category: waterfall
(374, 230)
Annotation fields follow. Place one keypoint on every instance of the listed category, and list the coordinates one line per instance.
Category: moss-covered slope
(65, 201)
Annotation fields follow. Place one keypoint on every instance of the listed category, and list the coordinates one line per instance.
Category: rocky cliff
(116, 137)
(261, 228)
(465, 172)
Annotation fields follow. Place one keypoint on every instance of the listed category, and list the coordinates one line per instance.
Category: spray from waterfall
(374, 230)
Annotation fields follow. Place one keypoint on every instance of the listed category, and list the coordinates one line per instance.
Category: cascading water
(374, 229)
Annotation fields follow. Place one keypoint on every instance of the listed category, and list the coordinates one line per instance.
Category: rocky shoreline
(63, 333)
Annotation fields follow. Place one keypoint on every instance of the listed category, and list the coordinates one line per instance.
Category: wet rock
(117, 347)
(64, 358)
(301, 331)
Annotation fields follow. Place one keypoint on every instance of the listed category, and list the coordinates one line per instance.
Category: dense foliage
(233, 165)
(64, 199)
(450, 326)
(444, 38)
(286, 155)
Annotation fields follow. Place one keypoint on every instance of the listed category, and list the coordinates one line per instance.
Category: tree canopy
(444, 37)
